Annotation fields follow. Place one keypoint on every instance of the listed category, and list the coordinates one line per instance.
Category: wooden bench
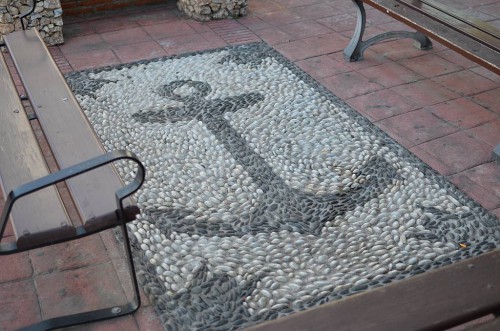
(467, 35)
(34, 206)
(460, 31)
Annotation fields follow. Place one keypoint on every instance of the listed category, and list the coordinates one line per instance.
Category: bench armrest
(73, 171)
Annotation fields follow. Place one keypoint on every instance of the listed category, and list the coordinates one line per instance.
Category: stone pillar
(205, 10)
(47, 18)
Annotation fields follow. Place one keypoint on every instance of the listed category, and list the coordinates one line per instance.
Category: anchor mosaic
(266, 194)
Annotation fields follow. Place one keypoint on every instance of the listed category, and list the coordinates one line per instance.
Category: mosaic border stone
(267, 194)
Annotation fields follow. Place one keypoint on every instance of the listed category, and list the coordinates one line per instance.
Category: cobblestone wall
(205, 10)
(47, 17)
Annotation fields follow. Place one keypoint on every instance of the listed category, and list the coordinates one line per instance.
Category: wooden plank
(457, 21)
(435, 300)
(38, 217)
(453, 39)
(68, 131)
(465, 17)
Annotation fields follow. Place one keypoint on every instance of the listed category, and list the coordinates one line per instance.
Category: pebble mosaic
(265, 193)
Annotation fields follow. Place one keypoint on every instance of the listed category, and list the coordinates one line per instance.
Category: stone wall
(47, 17)
(205, 10)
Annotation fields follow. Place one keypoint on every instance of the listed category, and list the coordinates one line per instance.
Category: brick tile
(192, 38)
(78, 29)
(398, 49)
(488, 132)
(148, 320)
(487, 175)
(390, 74)
(376, 17)
(305, 29)
(92, 59)
(191, 47)
(69, 255)
(253, 22)
(465, 82)
(418, 126)
(315, 11)
(92, 42)
(169, 29)
(158, 17)
(274, 36)
(489, 100)
(296, 3)
(232, 32)
(430, 65)
(281, 17)
(475, 191)
(139, 51)
(264, 6)
(350, 85)
(458, 59)
(322, 66)
(487, 74)
(369, 33)
(114, 24)
(84, 289)
(123, 323)
(199, 27)
(212, 38)
(431, 161)
(114, 249)
(121, 268)
(370, 59)
(425, 92)
(326, 44)
(129, 36)
(400, 139)
(382, 104)
(394, 26)
(15, 266)
(339, 23)
(19, 305)
(459, 151)
(296, 50)
(462, 113)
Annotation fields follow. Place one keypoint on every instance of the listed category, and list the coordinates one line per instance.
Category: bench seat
(42, 213)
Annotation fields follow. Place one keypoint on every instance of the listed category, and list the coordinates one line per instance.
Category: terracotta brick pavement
(441, 106)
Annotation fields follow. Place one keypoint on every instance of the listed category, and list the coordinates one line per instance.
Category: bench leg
(496, 154)
(99, 314)
(354, 51)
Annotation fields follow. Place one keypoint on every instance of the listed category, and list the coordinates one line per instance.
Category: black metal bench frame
(120, 212)
(470, 37)
(116, 217)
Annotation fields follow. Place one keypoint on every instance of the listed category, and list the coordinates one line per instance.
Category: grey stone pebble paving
(265, 193)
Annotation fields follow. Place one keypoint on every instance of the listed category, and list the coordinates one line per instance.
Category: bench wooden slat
(21, 161)
(435, 300)
(466, 46)
(456, 20)
(469, 19)
(68, 131)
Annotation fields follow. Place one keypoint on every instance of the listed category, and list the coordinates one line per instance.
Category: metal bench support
(122, 214)
(354, 51)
